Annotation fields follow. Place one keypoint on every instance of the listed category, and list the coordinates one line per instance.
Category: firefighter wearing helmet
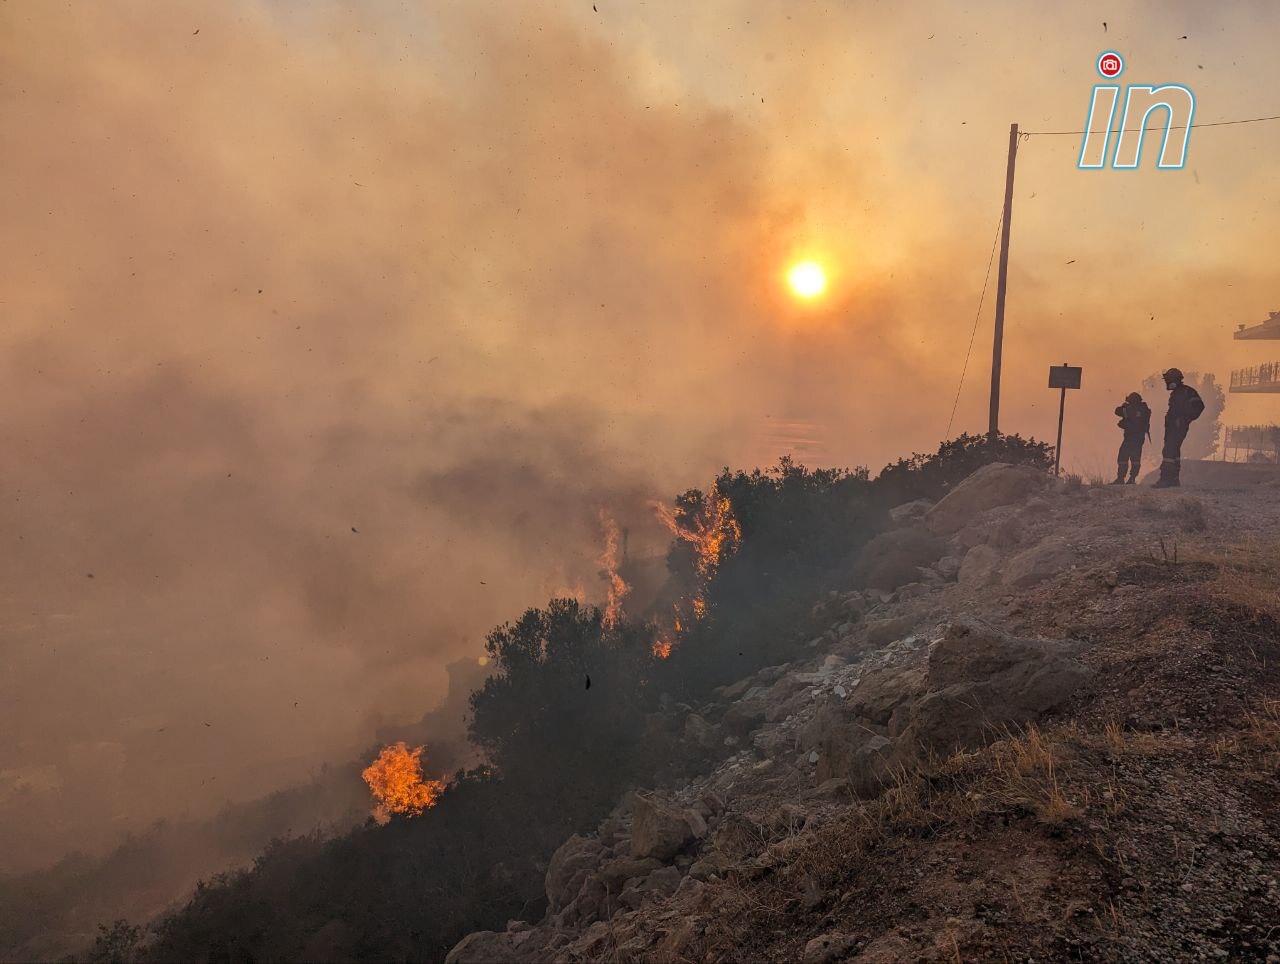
(1135, 422)
(1185, 406)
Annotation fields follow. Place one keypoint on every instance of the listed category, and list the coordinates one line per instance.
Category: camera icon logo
(1110, 64)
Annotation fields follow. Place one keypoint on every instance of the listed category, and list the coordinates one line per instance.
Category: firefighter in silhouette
(1135, 420)
(1185, 406)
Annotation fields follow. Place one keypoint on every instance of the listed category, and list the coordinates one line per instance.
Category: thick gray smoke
(330, 329)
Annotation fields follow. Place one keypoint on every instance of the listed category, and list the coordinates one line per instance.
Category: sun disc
(807, 279)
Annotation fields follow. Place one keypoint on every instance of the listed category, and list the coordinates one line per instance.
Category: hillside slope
(1059, 740)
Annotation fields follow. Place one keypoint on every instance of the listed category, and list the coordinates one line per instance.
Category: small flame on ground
(662, 648)
(618, 588)
(395, 779)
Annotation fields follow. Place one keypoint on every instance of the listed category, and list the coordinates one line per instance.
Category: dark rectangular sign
(1064, 376)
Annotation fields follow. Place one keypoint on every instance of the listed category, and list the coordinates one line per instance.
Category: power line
(1178, 127)
(976, 317)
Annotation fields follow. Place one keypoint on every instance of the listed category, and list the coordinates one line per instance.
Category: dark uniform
(1135, 420)
(1185, 406)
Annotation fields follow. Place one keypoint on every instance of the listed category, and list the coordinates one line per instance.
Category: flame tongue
(395, 779)
(618, 588)
(712, 531)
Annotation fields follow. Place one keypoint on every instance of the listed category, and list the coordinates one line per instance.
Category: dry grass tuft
(1020, 772)
(1262, 736)
(1191, 514)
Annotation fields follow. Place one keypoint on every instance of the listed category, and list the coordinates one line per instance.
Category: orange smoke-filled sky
(331, 328)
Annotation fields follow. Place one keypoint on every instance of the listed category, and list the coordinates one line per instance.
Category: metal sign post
(1062, 376)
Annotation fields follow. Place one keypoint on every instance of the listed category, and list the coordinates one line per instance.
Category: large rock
(981, 681)
(569, 867)
(1038, 563)
(909, 511)
(894, 558)
(615, 873)
(881, 632)
(949, 566)
(980, 566)
(828, 948)
(744, 716)
(849, 747)
(659, 883)
(883, 689)
(999, 483)
(870, 765)
(660, 830)
(492, 947)
(701, 733)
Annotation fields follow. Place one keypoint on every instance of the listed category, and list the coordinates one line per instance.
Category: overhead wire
(977, 316)
(1023, 135)
(1158, 127)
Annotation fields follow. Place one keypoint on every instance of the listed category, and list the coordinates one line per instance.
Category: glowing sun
(807, 279)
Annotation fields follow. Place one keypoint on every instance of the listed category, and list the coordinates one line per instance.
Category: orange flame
(711, 530)
(608, 560)
(662, 648)
(395, 779)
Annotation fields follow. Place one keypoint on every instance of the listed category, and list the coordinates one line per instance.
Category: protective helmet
(1173, 375)
(1133, 397)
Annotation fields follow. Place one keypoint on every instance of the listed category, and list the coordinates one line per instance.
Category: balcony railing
(1260, 378)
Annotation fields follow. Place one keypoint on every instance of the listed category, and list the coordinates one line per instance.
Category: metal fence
(1261, 378)
(1251, 443)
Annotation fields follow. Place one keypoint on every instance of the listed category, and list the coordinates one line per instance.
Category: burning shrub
(706, 531)
(395, 779)
(793, 528)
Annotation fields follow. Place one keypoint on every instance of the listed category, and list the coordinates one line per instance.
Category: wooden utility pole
(993, 427)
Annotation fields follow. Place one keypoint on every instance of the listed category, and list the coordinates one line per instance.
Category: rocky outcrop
(895, 558)
(909, 511)
(660, 830)
(569, 867)
(492, 947)
(891, 685)
(992, 485)
(1039, 563)
(782, 764)
(981, 566)
(884, 690)
(982, 681)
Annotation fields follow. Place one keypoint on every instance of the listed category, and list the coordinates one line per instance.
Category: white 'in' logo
(1176, 101)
